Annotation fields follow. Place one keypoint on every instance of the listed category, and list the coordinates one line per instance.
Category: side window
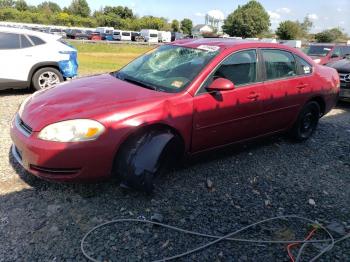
(278, 64)
(36, 40)
(239, 68)
(25, 42)
(9, 41)
(346, 50)
(303, 67)
(336, 52)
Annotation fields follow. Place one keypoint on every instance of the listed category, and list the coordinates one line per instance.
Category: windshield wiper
(140, 83)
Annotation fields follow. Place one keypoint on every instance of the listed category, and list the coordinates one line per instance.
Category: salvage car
(178, 99)
(326, 53)
(343, 68)
(34, 59)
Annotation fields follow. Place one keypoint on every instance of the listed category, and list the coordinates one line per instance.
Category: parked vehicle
(164, 37)
(176, 36)
(150, 35)
(343, 68)
(326, 53)
(107, 37)
(57, 31)
(136, 37)
(96, 36)
(122, 36)
(79, 34)
(105, 30)
(30, 58)
(182, 98)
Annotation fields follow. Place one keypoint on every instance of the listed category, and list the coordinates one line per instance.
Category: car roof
(45, 36)
(226, 43)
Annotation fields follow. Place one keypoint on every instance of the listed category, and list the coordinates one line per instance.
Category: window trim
(259, 72)
(281, 78)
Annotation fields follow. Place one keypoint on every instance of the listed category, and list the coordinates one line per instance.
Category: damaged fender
(141, 159)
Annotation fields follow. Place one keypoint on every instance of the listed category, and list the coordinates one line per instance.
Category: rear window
(319, 50)
(153, 35)
(126, 34)
(36, 40)
(9, 41)
(116, 33)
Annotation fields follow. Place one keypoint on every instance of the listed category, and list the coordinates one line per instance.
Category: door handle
(253, 96)
(301, 86)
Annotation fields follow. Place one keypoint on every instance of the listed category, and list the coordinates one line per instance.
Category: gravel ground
(217, 193)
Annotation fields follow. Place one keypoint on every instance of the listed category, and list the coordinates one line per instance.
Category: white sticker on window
(209, 48)
(307, 70)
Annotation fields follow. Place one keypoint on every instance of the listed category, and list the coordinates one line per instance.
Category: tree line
(78, 14)
(249, 20)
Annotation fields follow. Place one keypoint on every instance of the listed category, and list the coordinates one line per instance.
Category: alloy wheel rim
(48, 79)
(307, 124)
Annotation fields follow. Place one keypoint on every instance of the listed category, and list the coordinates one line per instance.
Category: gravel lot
(42, 221)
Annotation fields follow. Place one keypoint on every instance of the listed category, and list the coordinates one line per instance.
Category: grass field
(101, 58)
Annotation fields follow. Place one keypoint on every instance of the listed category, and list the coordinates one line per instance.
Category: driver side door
(225, 117)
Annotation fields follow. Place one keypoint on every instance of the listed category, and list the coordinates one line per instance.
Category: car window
(337, 51)
(346, 50)
(239, 68)
(126, 34)
(36, 40)
(278, 64)
(25, 42)
(9, 41)
(303, 67)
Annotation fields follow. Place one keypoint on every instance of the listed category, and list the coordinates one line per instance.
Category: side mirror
(334, 56)
(221, 84)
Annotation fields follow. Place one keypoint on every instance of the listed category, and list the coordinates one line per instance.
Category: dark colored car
(343, 68)
(79, 34)
(326, 53)
(137, 37)
(179, 99)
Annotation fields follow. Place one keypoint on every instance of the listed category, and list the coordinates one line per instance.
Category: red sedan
(184, 98)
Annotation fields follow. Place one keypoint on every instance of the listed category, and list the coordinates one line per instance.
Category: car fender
(41, 65)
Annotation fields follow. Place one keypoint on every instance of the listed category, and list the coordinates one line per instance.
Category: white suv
(34, 59)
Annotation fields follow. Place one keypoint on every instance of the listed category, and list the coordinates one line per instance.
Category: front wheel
(307, 122)
(46, 77)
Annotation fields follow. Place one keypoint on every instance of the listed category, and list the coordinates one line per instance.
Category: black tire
(41, 78)
(307, 122)
(125, 171)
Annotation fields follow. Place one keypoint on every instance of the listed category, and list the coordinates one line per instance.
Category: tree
(21, 5)
(175, 26)
(331, 35)
(50, 7)
(289, 30)
(6, 3)
(186, 26)
(79, 7)
(122, 12)
(306, 25)
(248, 20)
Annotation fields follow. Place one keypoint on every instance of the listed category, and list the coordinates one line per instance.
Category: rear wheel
(46, 77)
(307, 122)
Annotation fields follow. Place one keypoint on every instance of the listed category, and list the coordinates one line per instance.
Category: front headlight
(72, 131)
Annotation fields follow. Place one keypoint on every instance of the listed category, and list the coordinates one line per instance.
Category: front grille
(23, 127)
(55, 171)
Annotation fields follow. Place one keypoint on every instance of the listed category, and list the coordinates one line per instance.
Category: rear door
(287, 81)
(16, 59)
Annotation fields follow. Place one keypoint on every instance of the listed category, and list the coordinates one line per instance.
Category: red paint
(204, 121)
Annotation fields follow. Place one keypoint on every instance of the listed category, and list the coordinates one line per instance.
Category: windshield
(167, 68)
(318, 50)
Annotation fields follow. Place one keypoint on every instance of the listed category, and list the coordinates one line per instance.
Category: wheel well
(39, 66)
(144, 129)
(320, 101)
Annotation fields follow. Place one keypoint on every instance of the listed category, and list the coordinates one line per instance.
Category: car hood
(87, 97)
(342, 66)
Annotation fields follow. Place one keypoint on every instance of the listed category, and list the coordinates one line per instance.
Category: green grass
(102, 58)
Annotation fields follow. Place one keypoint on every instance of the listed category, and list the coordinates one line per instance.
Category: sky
(325, 14)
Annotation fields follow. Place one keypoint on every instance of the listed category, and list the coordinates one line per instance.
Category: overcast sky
(324, 13)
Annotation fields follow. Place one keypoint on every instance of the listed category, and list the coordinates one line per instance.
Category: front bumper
(63, 162)
(344, 90)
